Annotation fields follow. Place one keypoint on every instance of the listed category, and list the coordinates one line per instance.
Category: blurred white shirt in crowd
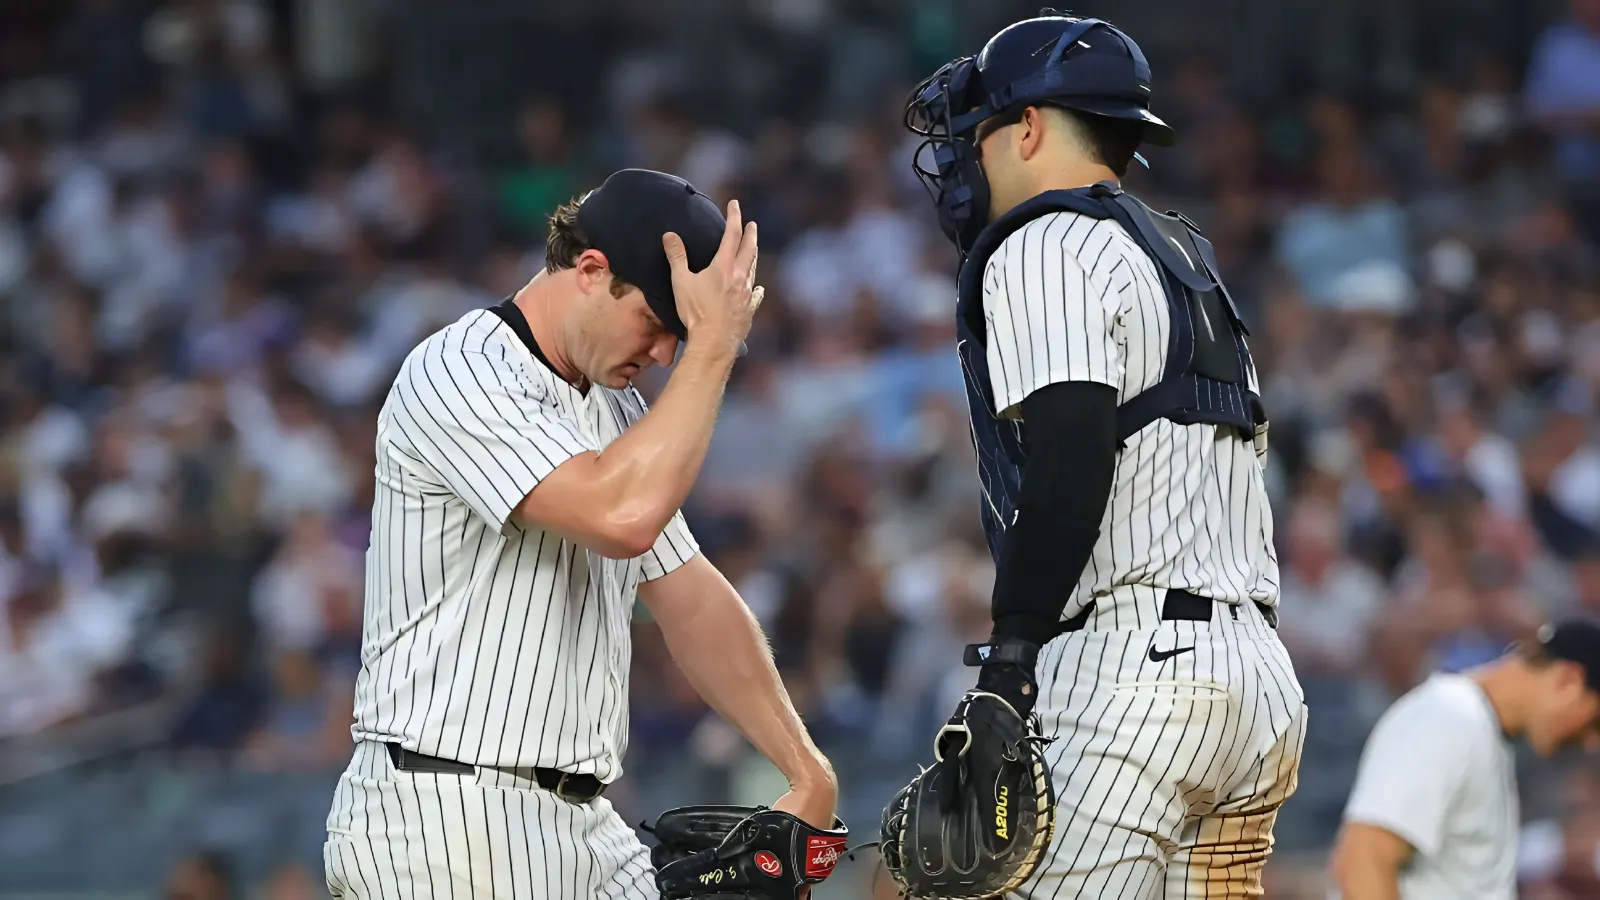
(301, 466)
(1330, 620)
(1494, 466)
(308, 589)
(50, 675)
(824, 270)
(816, 276)
(311, 221)
(341, 369)
(42, 682)
(54, 438)
(1575, 486)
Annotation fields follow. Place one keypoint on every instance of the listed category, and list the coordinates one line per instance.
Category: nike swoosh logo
(1158, 656)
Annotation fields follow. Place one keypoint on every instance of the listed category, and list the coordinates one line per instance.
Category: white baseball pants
(1169, 768)
(394, 834)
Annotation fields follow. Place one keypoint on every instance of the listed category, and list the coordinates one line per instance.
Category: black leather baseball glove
(977, 824)
(741, 853)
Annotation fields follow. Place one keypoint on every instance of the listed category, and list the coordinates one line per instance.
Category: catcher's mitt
(977, 824)
(741, 853)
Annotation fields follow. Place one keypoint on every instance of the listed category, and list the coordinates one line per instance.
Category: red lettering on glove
(822, 854)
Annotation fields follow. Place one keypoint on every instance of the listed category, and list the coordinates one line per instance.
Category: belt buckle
(569, 795)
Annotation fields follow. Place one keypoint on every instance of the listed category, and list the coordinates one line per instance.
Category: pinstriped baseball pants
(1169, 768)
(395, 834)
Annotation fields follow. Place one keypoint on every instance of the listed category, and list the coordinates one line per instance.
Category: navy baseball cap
(625, 217)
(1575, 640)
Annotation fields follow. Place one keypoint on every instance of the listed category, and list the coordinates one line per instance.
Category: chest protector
(1206, 376)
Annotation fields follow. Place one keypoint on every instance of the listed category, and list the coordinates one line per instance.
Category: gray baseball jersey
(1177, 740)
(487, 641)
(1439, 772)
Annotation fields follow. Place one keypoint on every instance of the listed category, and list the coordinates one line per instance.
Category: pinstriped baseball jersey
(487, 641)
(1068, 297)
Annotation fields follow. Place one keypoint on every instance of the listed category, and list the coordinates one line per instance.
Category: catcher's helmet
(1081, 64)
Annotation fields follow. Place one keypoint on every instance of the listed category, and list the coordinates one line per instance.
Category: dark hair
(1112, 141)
(565, 242)
(1533, 653)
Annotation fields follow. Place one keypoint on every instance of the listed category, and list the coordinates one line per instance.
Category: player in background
(525, 497)
(1434, 812)
(1120, 437)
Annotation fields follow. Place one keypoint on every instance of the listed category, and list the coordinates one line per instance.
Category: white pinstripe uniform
(1169, 768)
(487, 642)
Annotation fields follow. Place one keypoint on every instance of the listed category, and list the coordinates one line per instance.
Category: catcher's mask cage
(1043, 61)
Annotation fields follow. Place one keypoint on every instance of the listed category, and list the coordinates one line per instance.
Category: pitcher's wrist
(711, 347)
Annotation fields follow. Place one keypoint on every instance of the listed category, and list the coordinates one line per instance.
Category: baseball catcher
(1121, 438)
(741, 853)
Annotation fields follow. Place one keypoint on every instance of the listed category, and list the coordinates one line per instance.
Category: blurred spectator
(103, 42)
(1463, 448)
(666, 708)
(1347, 247)
(286, 438)
(1563, 472)
(207, 875)
(308, 597)
(1559, 857)
(1331, 602)
(229, 703)
(547, 177)
(307, 724)
(817, 275)
(319, 220)
(1563, 95)
(337, 44)
(53, 644)
(397, 192)
(294, 883)
(942, 598)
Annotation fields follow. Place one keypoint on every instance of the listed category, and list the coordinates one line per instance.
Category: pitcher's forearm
(723, 653)
(656, 461)
(618, 501)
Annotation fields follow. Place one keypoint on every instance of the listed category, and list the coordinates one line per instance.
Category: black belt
(1179, 606)
(566, 785)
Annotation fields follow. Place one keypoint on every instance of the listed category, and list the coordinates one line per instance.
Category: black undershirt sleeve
(1066, 481)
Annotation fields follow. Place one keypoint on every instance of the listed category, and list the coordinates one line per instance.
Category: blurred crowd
(218, 240)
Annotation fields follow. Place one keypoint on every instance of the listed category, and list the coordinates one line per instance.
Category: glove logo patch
(822, 854)
(769, 863)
